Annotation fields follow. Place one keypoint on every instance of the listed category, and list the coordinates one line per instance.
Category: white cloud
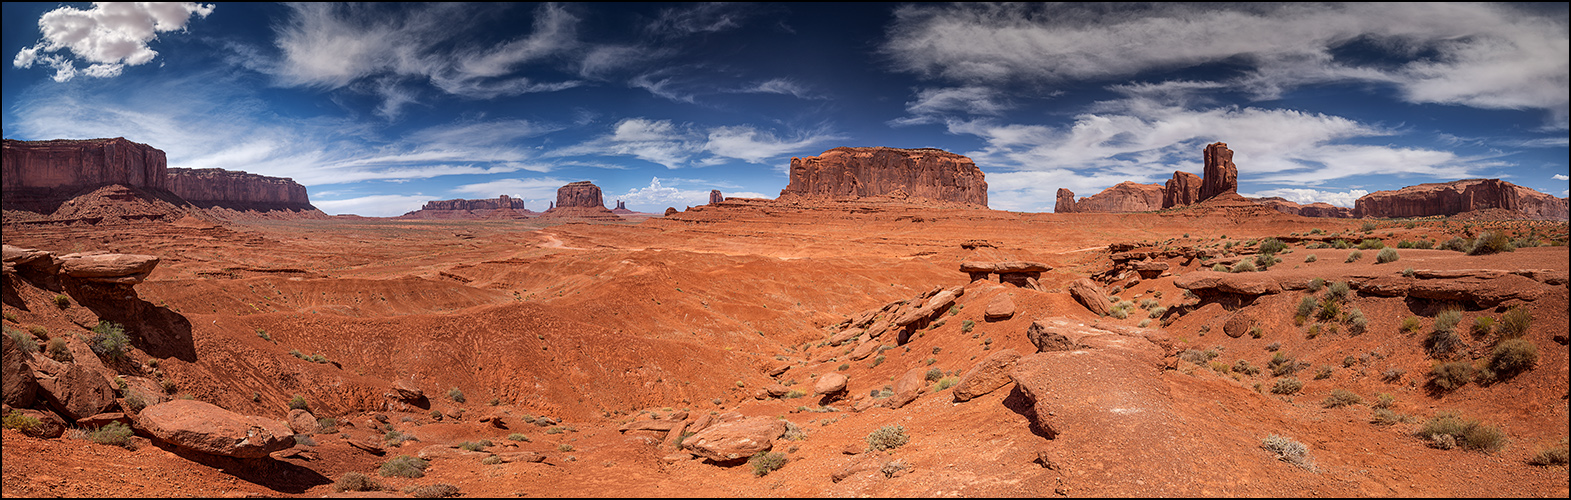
(699, 18)
(754, 146)
(676, 145)
(1482, 55)
(1561, 177)
(530, 189)
(785, 86)
(931, 105)
(110, 35)
(381, 205)
(1307, 196)
(657, 195)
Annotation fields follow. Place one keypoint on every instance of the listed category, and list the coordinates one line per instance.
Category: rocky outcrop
(1065, 203)
(579, 200)
(104, 267)
(924, 174)
(907, 388)
(1125, 197)
(1182, 190)
(216, 187)
(986, 376)
(205, 428)
(66, 164)
(1451, 198)
(501, 207)
(500, 202)
(77, 392)
(1088, 294)
(715, 197)
(621, 208)
(1220, 175)
(736, 440)
(16, 376)
(1316, 209)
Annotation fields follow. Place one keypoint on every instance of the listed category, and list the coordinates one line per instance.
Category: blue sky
(379, 108)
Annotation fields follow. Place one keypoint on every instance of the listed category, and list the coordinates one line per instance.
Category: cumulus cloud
(1481, 55)
(755, 146)
(110, 36)
(1307, 196)
(1560, 177)
(658, 195)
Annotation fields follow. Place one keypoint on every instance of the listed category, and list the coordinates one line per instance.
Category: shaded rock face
(203, 427)
(1124, 197)
(16, 377)
(1065, 203)
(1221, 175)
(579, 194)
(853, 173)
(1182, 190)
(72, 164)
(210, 187)
(1455, 197)
(715, 197)
(1088, 294)
(78, 393)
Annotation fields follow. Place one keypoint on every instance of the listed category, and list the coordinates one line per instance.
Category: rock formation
(579, 200)
(1124, 197)
(1182, 190)
(1065, 203)
(503, 206)
(1451, 198)
(66, 164)
(1316, 209)
(1221, 175)
(847, 173)
(621, 208)
(205, 428)
(715, 197)
(210, 187)
(500, 202)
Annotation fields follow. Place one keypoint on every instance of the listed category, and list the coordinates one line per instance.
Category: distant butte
(915, 175)
(1456, 197)
(580, 200)
(501, 207)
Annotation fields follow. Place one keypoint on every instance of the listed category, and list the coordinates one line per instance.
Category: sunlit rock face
(911, 174)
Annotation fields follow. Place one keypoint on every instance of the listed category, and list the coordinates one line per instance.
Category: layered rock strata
(1183, 189)
(67, 164)
(210, 187)
(1451, 198)
(503, 206)
(842, 174)
(579, 200)
(1125, 197)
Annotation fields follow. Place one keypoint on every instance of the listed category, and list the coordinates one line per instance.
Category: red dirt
(591, 323)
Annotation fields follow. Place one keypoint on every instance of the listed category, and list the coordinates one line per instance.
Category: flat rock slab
(736, 440)
(203, 427)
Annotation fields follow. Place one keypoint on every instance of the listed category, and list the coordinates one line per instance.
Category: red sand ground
(592, 323)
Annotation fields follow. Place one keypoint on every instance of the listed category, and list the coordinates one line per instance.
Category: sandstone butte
(847, 173)
(1451, 198)
(1183, 189)
(503, 206)
(209, 187)
(579, 200)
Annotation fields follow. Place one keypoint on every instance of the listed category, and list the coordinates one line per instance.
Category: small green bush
(1338, 291)
(1310, 258)
(1469, 434)
(1219, 268)
(887, 438)
(1482, 325)
(1242, 366)
(355, 481)
(1371, 244)
(1324, 372)
(1513, 356)
(1354, 256)
(1244, 266)
(404, 466)
(298, 403)
(1456, 244)
(1282, 365)
(1384, 400)
(517, 437)
(1491, 242)
(1515, 321)
(1330, 308)
(1342, 397)
(766, 462)
(1384, 416)
(1287, 385)
(1411, 324)
(19, 421)
(329, 425)
(564, 447)
(1288, 450)
(1307, 306)
(62, 301)
(1387, 256)
(109, 340)
(114, 433)
(1271, 246)
(455, 395)
(966, 326)
(1550, 456)
(1449, 376)
(1340, 245)
(23, 341)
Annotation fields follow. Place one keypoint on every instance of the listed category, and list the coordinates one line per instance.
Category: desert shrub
(1219, 268)
(966, 326)
(1356, 322)
(1119, 313)
(1270, 246)
(22, 339)
(1404, 244)
(19, 421)
(355, 481)
(1410, 324)
(1282, 365)
(1354, 256)
(1340, 245)
(1423, 244)
(555, 429)
(114, 433)
(1383, 416)
(1387, 255)
(1244, 266)
(1491, 242)
(455, 395)
(564, 447)
(1287, 385)
(1371, 244)
(1195, 356)
(1513, 356)
(305, 440)
(329, 425)
(1408, 273)
(1324, 372)
(1467, 433)
(1288, 450)
(1393, 374)
(1482, 325)
(1456, 244)
(934, 374)
(1272, 347)
(1515, 321)
(1330, 308)
(517, 437)
(1384, 400)
(1443, 339)
(62, 301)
(109, 340)
(298, 403)
(1449, 376)
(438, 490)
(1342, 397)
(470, 446)
(1316, 284)
(1242, 366)
(1349, 361)
(1447, 320)
(1157, 312)
(1550, 456)
(1306, 306)
(1338, 291)
(887, 437)
(1310, 258)
(394, 438)
(135, 401)
(404, 466)
(766, 462)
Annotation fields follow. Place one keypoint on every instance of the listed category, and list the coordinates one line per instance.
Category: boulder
(303, 422)
(118, 268)
(1149, 270)
(406, 390)
(1001, 307)
(865, 349)
(1182, 190)
(1236, 283)
(371, 444)
(1221, 175)
(935, 305)
(1057, 334)
(1451, 198)
(16, 377)
(1088, 294)
(77, 392)
(986, 376)
(1127, 196)
(205, 428)
(852, 173)
(830, 384)
(521, 456)
(908, 387)
(736, 440)
(103, 419)
(448, 451)
(1238, 325)
(845, 335)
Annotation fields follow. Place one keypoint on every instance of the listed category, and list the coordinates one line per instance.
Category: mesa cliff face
(68, 164)
(501, 207)
(1451, 198)
(1221, 175)
(1316, 209)
(1125, 197)
(579, 200)
(210, 187)
(846, 173)
(503, 201)
(1184, 189)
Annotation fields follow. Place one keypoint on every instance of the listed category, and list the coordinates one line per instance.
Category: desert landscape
(874, 331)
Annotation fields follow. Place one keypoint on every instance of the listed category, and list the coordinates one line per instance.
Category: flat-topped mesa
(579, 200)
(498, 203)
(1127, 196)
(1220, 175)
(846, 173)
(68, 164)
(1451, 198)
(216, 187)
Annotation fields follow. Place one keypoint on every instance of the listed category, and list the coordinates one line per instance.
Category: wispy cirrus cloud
(676, 145)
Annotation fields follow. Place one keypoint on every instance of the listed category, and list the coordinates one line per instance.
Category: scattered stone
(50, 425)
(522, 456)
(986, 376)
(1050, 335)
(1088, 294)
(1000, 308)
(16, 377)
(102, 419)
(1238, 325)
(829, 384)
(907, 388)
(77, 393)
